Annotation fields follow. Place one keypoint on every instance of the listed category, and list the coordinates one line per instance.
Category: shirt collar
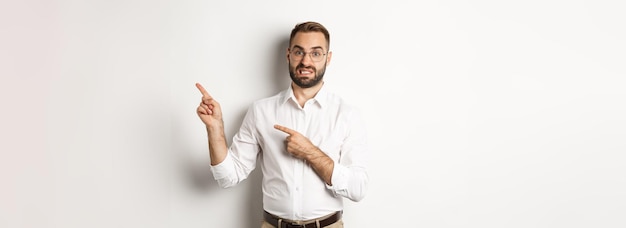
(321, 97)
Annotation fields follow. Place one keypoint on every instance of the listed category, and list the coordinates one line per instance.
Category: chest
(325, 128)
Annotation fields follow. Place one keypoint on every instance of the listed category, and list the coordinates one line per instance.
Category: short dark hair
(310, 26)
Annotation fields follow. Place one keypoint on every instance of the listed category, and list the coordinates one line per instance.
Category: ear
(329, 56)
(287, 55)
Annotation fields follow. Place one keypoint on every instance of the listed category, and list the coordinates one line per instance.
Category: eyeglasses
(316, 56)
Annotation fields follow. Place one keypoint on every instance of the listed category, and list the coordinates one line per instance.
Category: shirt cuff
(339, 179)
(224, 168)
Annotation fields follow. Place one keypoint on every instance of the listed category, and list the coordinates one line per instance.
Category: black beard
(304, 83)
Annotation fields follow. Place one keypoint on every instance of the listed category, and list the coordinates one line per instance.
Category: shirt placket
(298, 196)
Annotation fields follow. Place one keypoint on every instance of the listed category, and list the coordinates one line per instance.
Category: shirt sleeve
(242, 155)
(349, 178)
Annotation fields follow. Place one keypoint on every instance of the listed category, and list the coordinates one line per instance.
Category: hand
(209, 109)
(297, 145)
(302, 148)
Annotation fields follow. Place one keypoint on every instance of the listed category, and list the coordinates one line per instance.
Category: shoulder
(341, 104)
(267, 103)
(269, 100)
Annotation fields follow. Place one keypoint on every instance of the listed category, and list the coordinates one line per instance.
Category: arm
(210, 113)
(322, 164)
(229, 166)
(347, 178)
(350, 178)
(301, 147)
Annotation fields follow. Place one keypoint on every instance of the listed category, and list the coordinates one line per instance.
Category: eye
(298, 53)
(316, 54)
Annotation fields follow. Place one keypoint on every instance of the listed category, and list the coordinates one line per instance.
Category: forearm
(322, 164)
(351, 181)
(218, 148)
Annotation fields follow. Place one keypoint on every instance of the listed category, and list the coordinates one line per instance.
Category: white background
(480, 113)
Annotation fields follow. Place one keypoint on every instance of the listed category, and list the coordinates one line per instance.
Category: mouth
(306, 72)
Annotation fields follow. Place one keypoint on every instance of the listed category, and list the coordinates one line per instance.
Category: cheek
(320, 67)
(292, 67)
(293, 63)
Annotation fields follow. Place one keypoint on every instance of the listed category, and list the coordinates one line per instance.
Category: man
(312, 145)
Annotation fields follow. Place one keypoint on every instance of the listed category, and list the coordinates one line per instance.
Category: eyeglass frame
(304, 53)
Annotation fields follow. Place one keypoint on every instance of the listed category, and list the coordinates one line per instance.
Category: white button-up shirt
(291, 189)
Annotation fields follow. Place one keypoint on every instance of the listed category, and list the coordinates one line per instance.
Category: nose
(307, 60)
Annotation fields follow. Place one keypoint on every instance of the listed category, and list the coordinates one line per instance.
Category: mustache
(302, 66)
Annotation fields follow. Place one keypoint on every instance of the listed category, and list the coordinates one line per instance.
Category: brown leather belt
(271, 219)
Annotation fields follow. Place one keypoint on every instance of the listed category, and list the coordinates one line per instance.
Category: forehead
(309, 40)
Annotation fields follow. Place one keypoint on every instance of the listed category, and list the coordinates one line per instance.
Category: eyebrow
(317, 47)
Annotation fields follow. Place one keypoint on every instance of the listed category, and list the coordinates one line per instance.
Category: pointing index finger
(284, 129)
(202, 90)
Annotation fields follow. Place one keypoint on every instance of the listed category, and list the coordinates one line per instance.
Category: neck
(304, 94)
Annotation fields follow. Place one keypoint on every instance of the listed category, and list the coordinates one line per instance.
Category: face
(305, 72)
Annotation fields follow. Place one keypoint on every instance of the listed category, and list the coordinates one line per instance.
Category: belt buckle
(293, 225)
